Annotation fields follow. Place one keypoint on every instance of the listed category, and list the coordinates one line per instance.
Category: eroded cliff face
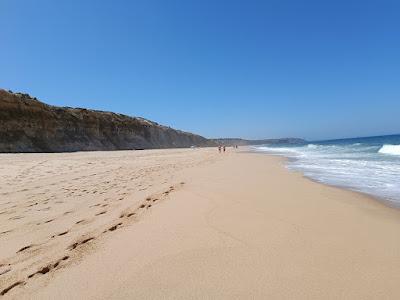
(28, 125)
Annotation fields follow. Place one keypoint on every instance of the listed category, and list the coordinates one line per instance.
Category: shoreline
(208, 225)
(286, 160)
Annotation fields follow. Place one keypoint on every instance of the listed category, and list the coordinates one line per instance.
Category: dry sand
(187, 224)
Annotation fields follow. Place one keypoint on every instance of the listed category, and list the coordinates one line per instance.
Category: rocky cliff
(28, 125)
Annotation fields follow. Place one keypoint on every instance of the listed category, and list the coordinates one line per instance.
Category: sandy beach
(187, 224)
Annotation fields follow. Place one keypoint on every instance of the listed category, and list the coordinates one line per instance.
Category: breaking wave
(390, 149)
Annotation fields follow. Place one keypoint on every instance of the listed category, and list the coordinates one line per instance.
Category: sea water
(370, 164)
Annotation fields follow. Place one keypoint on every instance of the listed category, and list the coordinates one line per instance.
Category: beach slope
(207, 226)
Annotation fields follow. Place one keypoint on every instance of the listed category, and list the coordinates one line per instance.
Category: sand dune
(187, 224)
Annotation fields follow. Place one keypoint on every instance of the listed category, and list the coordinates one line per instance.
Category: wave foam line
(390, 149)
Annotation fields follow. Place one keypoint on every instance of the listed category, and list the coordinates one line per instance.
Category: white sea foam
(390, 149)
(360, 167)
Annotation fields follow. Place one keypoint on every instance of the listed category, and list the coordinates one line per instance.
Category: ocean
(370, 164)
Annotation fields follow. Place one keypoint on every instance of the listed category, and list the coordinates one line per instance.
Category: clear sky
(253, 69)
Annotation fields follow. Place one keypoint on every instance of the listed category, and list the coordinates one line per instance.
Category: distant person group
(222, 149)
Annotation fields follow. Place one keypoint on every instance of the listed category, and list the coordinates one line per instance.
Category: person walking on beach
(219, 149)
(224, 149)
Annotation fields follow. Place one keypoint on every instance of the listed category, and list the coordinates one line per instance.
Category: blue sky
(252, 69)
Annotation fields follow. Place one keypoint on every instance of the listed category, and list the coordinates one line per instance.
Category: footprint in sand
(5, 232)
(77, 244)
(16, 218)
(24, 248)
(45, 222)
(6, 290)
(63, 233)
(128, 215)
(4, 269)
(115, 227)
(48, 268)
